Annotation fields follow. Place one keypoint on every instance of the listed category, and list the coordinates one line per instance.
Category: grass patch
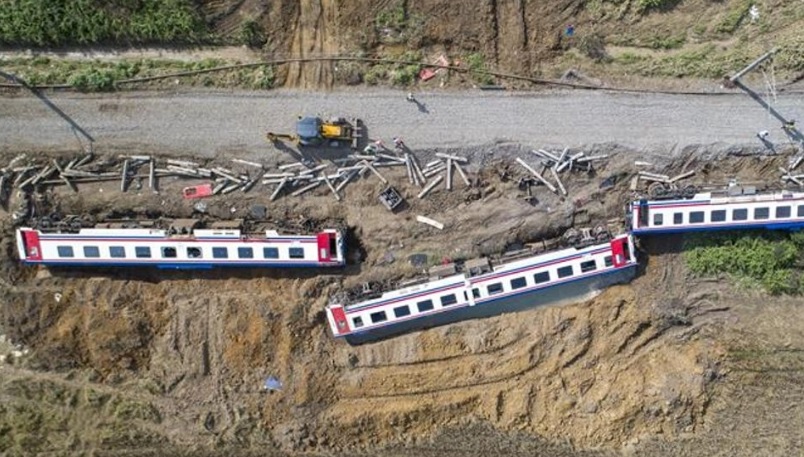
(734, 17)
(395, 24)
(395, 74)
(769, 260)
(81, 22)
(477, 68)
(98, 76)
(629, 58)
(666, 41)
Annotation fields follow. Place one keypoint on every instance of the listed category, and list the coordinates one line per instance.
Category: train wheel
(657, 190)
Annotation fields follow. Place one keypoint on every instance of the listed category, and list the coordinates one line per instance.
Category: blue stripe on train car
(793, 225)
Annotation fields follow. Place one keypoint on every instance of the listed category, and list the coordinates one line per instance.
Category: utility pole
(791, 130)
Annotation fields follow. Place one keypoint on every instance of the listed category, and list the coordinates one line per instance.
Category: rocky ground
(150, 363)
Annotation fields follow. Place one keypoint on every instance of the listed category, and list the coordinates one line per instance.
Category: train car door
(618, 252)
(338, 320)
(642, 220)
(325, 250)
(32, 249)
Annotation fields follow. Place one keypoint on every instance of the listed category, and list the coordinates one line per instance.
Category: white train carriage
(737, 208)
(546, 279)
(198, 249)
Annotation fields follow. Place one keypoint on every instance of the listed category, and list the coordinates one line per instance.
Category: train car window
(402, 311)
(476, 293)
(518, 283)
(220, 253)
(426, 305)
(719, 215)
(65, 251)
(696, 217)
(588, 266)
(495, 288)
(678, 218)
(142, 252)
(541, 277)
(739, 214)
(658, 219)
(357, 322)
(270, 253)
(194, 253)
(296, 253)
(379, 316)
(782, 211)
(168, 253)
(448, 300)
(117, 252)
(761, 213)
(91, 251)
(800, 211)
(608, 261)
(565, 272)
(245, 253)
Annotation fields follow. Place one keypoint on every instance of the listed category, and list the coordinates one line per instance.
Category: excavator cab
(309, 131)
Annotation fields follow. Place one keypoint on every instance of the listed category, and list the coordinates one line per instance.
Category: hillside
(614, 41)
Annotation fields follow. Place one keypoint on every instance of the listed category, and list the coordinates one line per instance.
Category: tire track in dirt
(312, 38)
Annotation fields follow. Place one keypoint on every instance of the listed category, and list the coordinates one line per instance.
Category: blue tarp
(272, 383)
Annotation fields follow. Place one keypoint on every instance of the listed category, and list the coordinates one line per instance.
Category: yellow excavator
(313, 131)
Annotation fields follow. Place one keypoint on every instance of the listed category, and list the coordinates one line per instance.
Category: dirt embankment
(161, 360)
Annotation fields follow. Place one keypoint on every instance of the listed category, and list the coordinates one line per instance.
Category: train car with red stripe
(185, 247)
(482, 289)
(736, 208)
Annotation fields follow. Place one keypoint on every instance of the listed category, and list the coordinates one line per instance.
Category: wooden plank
(434, 171)
(182, 163)
(429, 187)
(246, 162)
(560, 184)
(374, 170)
(681, 176)
(430, 222)
(449, 174)
(537, 175)
(331, 187)
(152, 176)
(346, 180)
(279, 189)
(452, 157)
(124, 178)
(306, 188)
(462, 174)
(288, 166)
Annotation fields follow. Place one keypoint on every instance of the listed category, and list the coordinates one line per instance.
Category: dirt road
(206, 123)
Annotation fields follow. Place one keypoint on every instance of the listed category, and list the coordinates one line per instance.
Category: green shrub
(405, 76)
(93, 80)
(766, 259)
(251, 34)
(264, 77)
(376, 75)
(666, 42)
(477, 69)
(71, 22)
(734, 17)
(593, 46)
